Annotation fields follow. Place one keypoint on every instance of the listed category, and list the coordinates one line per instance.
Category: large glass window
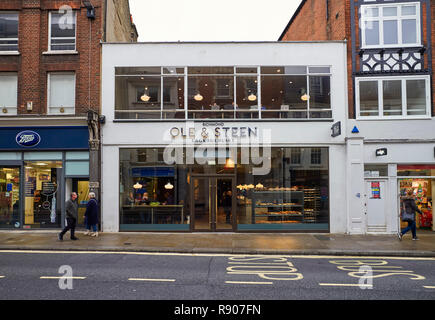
(8, 93)
(9, 197)
(153, 194)
(62, 31)
(8, 31)
(223, 92)
(42, 200)
(294, 195)
(390, 25)
(393, 97)
(291, 194)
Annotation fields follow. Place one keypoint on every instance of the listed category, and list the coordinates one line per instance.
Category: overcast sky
(211, 20)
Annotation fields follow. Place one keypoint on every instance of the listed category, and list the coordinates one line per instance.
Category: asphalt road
(153, 276)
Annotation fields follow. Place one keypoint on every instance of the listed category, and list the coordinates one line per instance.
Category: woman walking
(408, 214)
(91, 216)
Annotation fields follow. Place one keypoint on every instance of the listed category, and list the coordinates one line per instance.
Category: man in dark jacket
(71, 210)
(409, 206)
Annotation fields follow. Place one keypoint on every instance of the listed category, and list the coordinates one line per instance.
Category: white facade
(118, 134)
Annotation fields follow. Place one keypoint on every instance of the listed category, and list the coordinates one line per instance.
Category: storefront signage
(28, 138)
(381, 152)
(336, 129)
(214, 131)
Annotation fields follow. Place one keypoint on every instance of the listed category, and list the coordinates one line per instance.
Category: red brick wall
(32, 65)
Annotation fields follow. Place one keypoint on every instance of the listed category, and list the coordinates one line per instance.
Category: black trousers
(70, 225)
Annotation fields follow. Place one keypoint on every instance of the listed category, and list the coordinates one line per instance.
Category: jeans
(411, 226)
(93, 226)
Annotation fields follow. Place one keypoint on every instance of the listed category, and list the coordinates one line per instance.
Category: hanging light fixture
(259, 186)
(198, 97)
(229, 164)
(169, 186)
(137, 186)
(252, 97)
(305, 97)
(145, 97)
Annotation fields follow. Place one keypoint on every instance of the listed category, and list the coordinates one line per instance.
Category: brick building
(390, 128)
(50, 67)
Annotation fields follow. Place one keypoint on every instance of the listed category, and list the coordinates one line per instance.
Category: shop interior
(9, 197)
(42, 202)
(424, 191)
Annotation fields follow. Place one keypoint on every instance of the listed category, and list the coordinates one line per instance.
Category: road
(153, 276)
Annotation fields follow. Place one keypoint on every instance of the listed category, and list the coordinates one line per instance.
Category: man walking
(71, 209)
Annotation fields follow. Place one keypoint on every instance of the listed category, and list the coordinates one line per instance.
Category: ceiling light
(252, 97)
(169, 186)
(198, 97)
(305, 97)
(137, 186)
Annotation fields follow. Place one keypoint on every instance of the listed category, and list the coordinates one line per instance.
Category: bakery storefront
(197, 140)
(39, 168)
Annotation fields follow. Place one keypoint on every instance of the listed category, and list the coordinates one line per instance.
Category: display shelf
(277, 206)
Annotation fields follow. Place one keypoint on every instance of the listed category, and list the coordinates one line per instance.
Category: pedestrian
(408, 214)
(91, 216)
(71, 210)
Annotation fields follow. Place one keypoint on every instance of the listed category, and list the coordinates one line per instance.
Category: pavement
(227, 243)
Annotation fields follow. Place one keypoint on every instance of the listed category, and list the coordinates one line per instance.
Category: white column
(355, 185)
(392, 201)
(110, 189)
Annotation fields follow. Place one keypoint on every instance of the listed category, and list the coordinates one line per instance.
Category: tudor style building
(391, 125)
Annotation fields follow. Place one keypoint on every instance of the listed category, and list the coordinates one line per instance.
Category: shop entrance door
(376, 206)
(213, 203)
(10, 197)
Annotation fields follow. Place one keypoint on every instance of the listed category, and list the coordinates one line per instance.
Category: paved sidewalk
(227, 243)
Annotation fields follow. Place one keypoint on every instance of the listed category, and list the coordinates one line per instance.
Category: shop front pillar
(355, 185)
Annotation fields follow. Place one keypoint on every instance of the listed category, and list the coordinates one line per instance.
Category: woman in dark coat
(411, 208)
(91, 215)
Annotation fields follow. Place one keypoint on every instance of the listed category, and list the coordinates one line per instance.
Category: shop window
(10, 197)
(8, 31)
(398, 97)
(289, 197)
(8, 93)
(42, 200)
(61, 93)
(375, 171)
(62, 33)
(390, 25)
(415, 170)
(247, 97)
(153, 194)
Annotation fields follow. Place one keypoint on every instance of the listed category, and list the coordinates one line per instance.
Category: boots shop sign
(28, 139)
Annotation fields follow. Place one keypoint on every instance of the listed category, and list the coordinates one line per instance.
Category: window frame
(49, 107)
(50, 50)
(11, 39)
(399, 18)
(380, 81)
(11, 110)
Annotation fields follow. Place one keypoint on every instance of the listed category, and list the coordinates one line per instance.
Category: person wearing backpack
(409, 208)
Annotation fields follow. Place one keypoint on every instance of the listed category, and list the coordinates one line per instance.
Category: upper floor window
(280, 92)
(8, 31)
(62, 34)
(61, 92)
(390, 25)
(8, 93)
(393, 97)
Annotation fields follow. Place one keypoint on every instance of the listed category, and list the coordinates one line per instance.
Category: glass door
(212, 204)
(10, 197)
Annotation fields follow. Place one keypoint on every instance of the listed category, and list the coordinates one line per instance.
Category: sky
(211, 20)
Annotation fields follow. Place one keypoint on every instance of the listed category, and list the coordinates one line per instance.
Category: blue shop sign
(44, 138)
